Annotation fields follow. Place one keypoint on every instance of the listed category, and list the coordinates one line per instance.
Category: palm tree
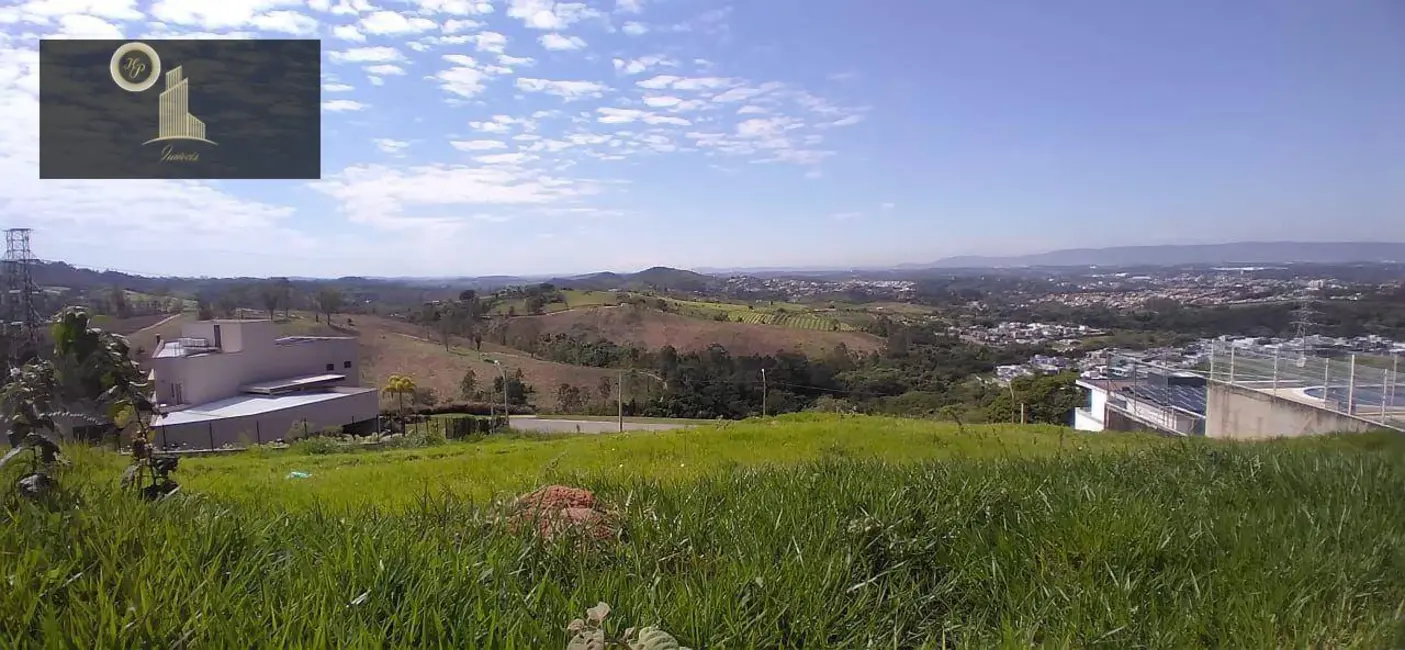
(399, 386)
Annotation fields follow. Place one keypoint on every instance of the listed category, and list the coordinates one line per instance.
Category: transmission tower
(1302, 327)
(20, 313)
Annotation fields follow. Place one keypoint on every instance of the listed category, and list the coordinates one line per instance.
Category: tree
(468, 386)
(271, 296)
(91, 378)
(535, 304)
(399, 386)
(329, 301)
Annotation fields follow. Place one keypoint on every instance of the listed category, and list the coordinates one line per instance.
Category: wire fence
(1363, 385)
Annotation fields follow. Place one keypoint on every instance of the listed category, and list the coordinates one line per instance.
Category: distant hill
(1241, 252)
(659, 278)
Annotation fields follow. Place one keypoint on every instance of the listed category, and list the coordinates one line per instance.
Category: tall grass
(1174, 545)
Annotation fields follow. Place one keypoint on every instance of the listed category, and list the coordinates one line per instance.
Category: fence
(1363, 385)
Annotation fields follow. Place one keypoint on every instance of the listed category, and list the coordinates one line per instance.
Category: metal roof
(245, 405)
(291, 383)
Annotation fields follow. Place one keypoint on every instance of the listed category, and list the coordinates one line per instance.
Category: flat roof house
(233, 382)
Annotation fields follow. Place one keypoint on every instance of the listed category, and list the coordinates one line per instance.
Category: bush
(464, 408)
(318, 445)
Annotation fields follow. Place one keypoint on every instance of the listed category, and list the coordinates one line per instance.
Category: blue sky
(474, 137)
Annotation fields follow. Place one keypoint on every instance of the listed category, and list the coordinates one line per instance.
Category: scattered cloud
(478, 145)
(569, 90)
(340, 105)
(390, 146)
(633, 28)
(336, 88)
(887, 206)
(348, 33)
(643, 64)
(549, 15)
(377, 54)
(555, 41)
(846, 216)
(629, 6)
(393, 23)
(385, 69)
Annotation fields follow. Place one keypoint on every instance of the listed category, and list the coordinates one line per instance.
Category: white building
(235, 382)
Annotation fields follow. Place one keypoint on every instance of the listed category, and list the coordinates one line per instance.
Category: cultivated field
(575, 299)
(803, 532)
(653, 329)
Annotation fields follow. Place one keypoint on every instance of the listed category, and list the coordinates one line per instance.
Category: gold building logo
(136, 67)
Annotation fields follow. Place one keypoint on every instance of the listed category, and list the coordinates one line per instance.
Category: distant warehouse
(234, 382)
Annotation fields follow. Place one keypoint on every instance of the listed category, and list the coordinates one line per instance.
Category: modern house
(234, 382)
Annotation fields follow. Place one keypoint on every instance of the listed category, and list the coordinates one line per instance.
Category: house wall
(218, 375)
(274, 425)
(1247, 414)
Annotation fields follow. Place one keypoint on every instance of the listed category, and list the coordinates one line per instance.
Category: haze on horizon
(526, 137)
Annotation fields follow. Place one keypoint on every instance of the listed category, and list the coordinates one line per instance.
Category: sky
(483, 137)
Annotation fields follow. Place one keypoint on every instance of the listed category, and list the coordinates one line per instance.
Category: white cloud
(661, 101)
(505, 158)
(511, 61)
(385, 69)
(887, 206)
(390, 22)
(348, 33)
(478, 145)
(845, 216)
(456, 25)
(390, 146)
(570, 90)
(629, 6)
(340, 105)
(464, 79)
(87, 27)
(635, 28)
(643, 64)
(502, 124)
(379, 54)
(285, 22)
(752, 110)
(218, 15)
(380, 196)
(489, 42)
(336, 88)
(456, 7)
(659, 82)
(549, 15)
(609, 115)
(701, 83)
(848, 121)
(555, 41)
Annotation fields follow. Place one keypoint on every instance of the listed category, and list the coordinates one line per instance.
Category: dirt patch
(557, 509)
(653, 329)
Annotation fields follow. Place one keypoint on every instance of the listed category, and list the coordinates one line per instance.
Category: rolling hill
(648, 328)
(1240, 252)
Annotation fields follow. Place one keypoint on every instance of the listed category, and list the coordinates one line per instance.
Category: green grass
(992, 538)
(627, 418)
(482, 470)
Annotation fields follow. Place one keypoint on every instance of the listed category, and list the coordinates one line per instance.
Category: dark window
(346, 364)
(331, 367)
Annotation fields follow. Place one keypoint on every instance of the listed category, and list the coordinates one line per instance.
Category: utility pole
(763, 392)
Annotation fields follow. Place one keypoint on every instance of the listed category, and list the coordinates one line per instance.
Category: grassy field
(803, 534)
(575, 299)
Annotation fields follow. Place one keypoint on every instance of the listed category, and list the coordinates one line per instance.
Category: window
(346, 364)
(331, 367)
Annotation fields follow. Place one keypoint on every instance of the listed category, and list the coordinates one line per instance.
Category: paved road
(553, 425)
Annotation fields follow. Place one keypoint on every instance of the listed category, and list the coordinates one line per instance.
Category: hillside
(633, 325)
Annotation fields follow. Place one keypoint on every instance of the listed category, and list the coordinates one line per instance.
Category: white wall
(274, 425)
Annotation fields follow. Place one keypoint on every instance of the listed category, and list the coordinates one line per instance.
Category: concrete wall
(1242, 413)
(267, 427)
